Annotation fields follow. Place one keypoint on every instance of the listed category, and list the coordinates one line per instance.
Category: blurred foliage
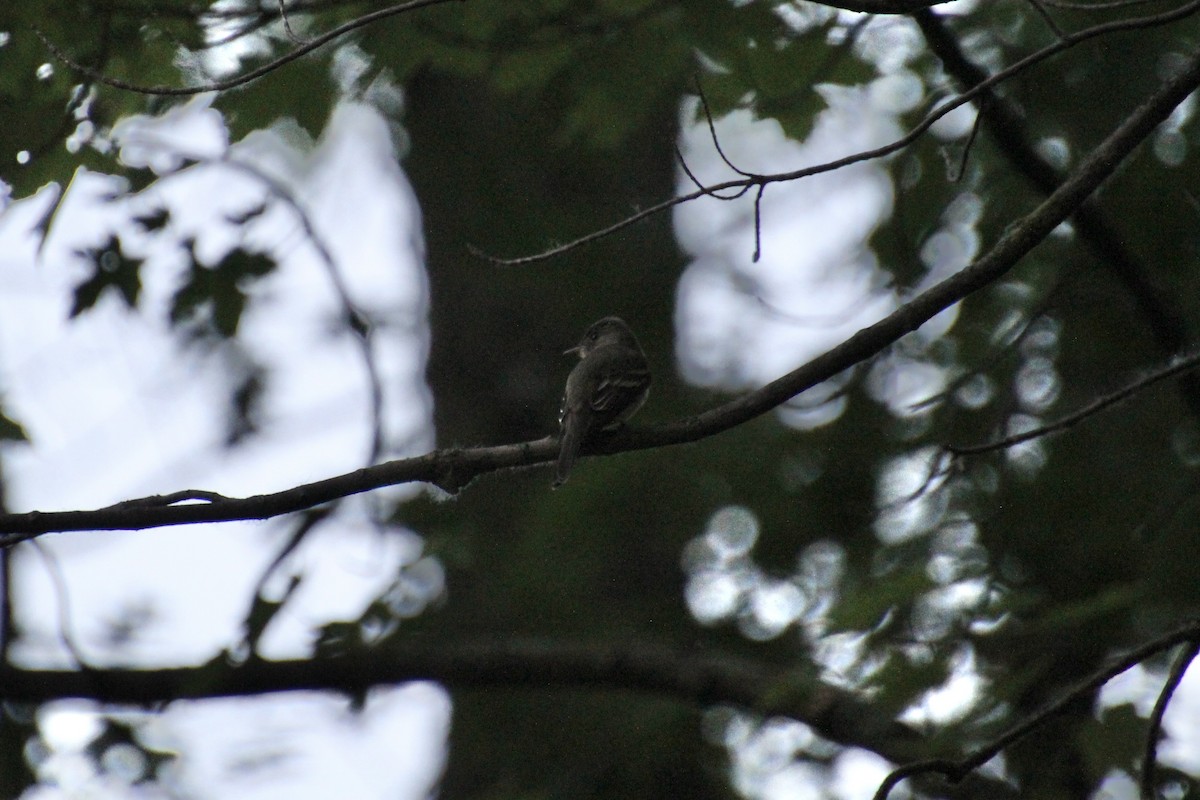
(216, 296)
(528, 123)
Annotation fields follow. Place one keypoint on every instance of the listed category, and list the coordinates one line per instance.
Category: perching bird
(607, 386)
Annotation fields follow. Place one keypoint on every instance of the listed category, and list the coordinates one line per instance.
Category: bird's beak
(574, 349)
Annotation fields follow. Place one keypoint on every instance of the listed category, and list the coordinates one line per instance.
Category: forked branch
(758, 182)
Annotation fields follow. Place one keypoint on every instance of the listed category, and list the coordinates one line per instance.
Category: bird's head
(608, 331)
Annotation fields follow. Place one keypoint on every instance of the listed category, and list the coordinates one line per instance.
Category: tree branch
(1167, 323)
(955, 770)
(745, 183)
(1150, 757)
(699, 677)
(452, 469)
(1177, 367)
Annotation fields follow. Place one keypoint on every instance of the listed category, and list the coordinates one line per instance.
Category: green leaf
(1117, 738)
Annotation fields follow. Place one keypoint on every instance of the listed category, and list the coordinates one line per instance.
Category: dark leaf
(154, 221)
(11, 430)
(216, 293)
(112, 268)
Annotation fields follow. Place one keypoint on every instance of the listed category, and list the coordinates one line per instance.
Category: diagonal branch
(980, 90)
(1166, 321)
(1177, 367)
(955, 770)
(453, 469)
(1150, 757)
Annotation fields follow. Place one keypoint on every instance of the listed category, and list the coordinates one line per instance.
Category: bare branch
(453, 469)
(696, 181)
(1045, 15)
(692, 676)
(954, 770)
(1073, 6)
(1150, 758)
(1177, 367)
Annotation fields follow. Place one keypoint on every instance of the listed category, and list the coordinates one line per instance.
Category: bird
(606, 388)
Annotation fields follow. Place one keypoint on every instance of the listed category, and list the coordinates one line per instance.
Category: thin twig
(171, 499)
(304, 526)
(954, 770)
(287, 24)
(904, 141)
(63, 605)
(1044, 14)
(758, 196)
(1150, 757)
(1096, 406)
(696, 181)
(966, 152)
(716, 140)
(359, 321)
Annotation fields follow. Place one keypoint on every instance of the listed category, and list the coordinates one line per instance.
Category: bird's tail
(568, 448)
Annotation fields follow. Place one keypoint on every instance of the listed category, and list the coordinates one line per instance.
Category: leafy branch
(247, 77)
(759, 181)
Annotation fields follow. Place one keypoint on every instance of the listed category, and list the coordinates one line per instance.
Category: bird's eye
(592, 336)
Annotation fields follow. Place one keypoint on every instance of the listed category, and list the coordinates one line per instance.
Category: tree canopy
(284, 291)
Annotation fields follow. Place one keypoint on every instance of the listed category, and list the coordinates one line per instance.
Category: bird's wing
(616, 392)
